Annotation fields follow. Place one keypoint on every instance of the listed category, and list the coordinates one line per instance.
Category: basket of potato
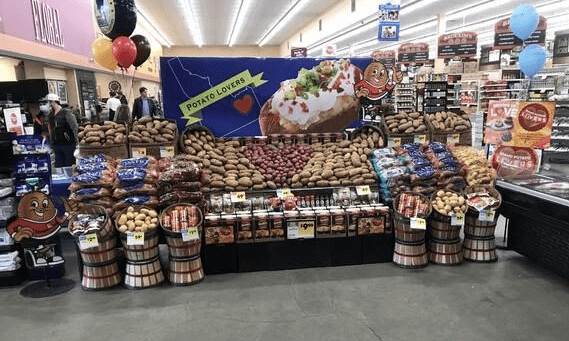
(446, 203)
(138, 222)
(189, 139)
(156, 137)
(108, 138)
(405, 126)
(137, 219)
(450, 127)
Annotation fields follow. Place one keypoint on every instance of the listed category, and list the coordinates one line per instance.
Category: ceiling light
(191, 22)
(244, 6)
(159, 34)
(283, 21)
(416, 5)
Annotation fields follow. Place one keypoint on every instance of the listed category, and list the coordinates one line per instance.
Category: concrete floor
(512, 299)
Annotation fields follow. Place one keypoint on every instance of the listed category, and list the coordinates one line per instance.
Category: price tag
(457, 219)
(363, 190)
(300, 229)
(166, 151)
(418, 223)
(190, 234)
(238, 196)
(138, 152)
(486, 215)
(393, 142)
(88, 241)
(284, 193)
(453, 138)
(135, 238)
(420, 138)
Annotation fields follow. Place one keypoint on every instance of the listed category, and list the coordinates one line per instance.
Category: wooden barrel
(139, 275)
(105, 231)
(482, 250)
(440, 227)
(100, 277)
(476, 228)
(445, 253)
(186, 271)
(104, 253)
(177, 247)
(140, 253)
(409, 255)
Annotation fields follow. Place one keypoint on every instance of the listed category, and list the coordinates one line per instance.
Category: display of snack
(476, 166)
(412, 205)
(447, 121)
(149, 130)
(176, 218)
(392, 172)
(180, 181)
(320, 99)
(137, 219)
(87, 223)
(449, 202)
(423, 176)
(106, 134)
(405, 123)
(482, 199)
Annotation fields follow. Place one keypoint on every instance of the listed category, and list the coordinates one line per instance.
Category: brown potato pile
(448, 121)
(107, 134)
(149, 130)
(405, 123)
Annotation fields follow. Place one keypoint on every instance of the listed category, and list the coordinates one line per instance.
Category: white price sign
(394, 142)
(284, 193)
(238, 196)
(363, 190)
(453, 138)
(457, 219)
(486, 215)
(300, 229)
(138, 152)
(420, 139)
(166, 151)
(135, 238)
(418, 223)
(88, 241)
(190, 234)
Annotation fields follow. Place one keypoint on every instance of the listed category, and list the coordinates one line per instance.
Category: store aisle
(512, 299)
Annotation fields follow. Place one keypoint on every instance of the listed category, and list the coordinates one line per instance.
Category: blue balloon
(524, 21)
(532, 60)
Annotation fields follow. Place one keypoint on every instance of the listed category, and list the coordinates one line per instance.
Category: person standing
(112, 104)
(62, 130)
(122, 97)
(123, 114)
(143, 106)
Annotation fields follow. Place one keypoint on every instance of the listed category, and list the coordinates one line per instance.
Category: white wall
(8, 69)
(222, 51)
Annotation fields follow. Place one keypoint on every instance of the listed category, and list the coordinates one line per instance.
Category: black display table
(538, 225)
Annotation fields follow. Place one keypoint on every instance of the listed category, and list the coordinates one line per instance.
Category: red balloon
(124, 51)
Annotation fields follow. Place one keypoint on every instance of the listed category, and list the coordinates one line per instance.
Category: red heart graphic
(244, 104)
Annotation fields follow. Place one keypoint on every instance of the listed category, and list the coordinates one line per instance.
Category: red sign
(462, 44)
(532, 125)
(513, 161)
(413, 52)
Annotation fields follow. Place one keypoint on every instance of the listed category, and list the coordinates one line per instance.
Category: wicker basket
(446, 253)
(156, 150)
(106, 229)
(185, 271)
(462, 138)
(141, 275)
(177, 247)
(101, 277)
(192, 129)
(439, 225)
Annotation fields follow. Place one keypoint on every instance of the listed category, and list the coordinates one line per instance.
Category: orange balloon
(102, 50)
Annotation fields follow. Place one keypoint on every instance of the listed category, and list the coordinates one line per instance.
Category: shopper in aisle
(123, 114)
(62, 129)
(143, 106)
(112, 104)
(122, 97)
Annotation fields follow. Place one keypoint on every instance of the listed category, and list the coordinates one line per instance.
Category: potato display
(341, 163)
(448, 121)
(149, 130)
(448, 202)
(137, 220)
(405, 123)
(107, 134)
(372, 138)
(478, 172)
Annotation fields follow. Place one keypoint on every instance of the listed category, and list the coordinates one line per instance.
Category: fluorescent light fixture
(296, 7)
(416, 5)
(159, 34)
(191, 22)
(244, 6)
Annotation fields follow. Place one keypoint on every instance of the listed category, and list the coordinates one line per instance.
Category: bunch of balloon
(524, 21)
(117, 21)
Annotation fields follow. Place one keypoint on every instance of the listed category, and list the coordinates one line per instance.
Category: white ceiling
(213, 21)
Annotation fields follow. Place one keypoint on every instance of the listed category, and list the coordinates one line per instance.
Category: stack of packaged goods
(135, 183)
(449, 175)
(180, 181)
(7, 200)
(392, 172)
(475, 165)
(422, 176)
(92, 183)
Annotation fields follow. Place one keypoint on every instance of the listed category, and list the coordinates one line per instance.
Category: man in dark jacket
(62, 129)
(143, 106)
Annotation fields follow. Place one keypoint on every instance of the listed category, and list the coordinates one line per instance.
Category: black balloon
(116, 18)
(142, 49)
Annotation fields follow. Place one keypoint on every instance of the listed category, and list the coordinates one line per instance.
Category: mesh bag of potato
(476, 166)
(135, 183)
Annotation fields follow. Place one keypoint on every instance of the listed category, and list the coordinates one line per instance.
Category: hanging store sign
(504, 38)
(297, 52)
(389, 23)
(386, 57)
(462, 44)
(561, 47)
(413, 53)
(532, 125)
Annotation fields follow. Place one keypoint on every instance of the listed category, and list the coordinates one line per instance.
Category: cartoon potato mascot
(37, 218)
(377, 82)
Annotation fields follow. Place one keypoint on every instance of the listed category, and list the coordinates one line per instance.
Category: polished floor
(513, 299)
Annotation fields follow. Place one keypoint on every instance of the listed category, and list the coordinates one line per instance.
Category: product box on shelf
(219, 229)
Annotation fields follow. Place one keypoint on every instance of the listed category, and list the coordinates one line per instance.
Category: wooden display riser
(298, 254)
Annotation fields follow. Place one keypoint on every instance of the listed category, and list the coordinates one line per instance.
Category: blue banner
(389, 23)
(259, 96)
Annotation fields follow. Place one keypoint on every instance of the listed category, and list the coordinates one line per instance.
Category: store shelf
(504, 90)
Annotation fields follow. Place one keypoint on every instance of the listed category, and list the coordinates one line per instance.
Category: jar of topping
(323, 221)
(338, 221)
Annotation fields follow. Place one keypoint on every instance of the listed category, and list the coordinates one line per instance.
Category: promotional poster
(532, 125)
(260, 96)
(389, 23)
(500, 121)
(461, 44)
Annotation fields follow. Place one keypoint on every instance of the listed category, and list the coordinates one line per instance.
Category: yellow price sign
(420, 138)
(88, 241)
(167, 151)
(457, 219)
(238, 196)
(138, 152)
(285, 193)
(190, 234)
(394, 142)
(135, 238)
(363, 190)
(306, 228)
(418, 223)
